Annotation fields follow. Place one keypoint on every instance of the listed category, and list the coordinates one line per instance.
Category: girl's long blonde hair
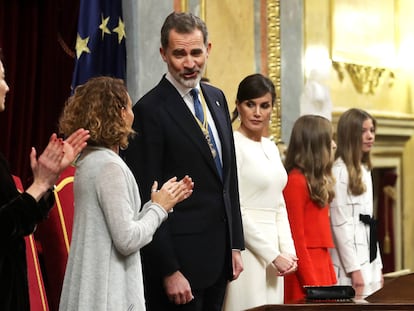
(349, 141)
(310, 151)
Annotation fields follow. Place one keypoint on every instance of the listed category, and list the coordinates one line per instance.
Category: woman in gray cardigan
(104, 265)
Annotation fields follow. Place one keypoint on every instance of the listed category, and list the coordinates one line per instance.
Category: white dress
(104, 270)
(262, 178)
(351, 236)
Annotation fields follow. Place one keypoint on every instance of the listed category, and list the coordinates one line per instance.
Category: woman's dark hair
(253, 86)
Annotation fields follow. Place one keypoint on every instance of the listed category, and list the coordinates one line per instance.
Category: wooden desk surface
(338, 307)
(396, 294)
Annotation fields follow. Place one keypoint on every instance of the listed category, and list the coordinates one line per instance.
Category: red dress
(311, 232)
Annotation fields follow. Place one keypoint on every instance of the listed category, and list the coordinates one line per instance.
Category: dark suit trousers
(208, 299)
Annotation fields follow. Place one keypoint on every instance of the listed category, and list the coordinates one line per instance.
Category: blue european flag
(100, 43)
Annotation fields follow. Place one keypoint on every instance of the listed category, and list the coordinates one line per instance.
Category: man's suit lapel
(182, 116)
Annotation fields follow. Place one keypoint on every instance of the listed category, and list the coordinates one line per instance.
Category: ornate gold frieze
(366, 79)
(274, 64)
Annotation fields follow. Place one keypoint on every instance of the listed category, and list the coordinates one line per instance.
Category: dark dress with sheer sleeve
(19, 214)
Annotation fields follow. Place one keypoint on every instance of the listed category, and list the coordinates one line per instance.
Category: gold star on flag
(81, 46)
(104, 26)
(120, 30)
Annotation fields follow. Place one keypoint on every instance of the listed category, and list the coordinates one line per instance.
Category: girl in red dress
(307, 194)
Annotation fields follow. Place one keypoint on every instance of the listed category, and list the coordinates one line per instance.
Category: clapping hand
(172, 192)
(72, 146)
(57, 156)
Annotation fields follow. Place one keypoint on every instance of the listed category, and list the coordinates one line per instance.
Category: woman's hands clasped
(286, 263)
(172, 192)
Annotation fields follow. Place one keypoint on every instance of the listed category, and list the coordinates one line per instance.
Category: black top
(19, 214)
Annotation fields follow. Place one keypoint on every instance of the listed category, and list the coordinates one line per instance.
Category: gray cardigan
(104, 265)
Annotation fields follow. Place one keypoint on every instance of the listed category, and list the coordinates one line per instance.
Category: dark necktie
(210, 140)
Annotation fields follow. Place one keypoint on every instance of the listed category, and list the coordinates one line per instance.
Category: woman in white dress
(357, 257)
(270, 251)
(103, 271)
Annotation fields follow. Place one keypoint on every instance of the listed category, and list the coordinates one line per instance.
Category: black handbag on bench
(335, 293)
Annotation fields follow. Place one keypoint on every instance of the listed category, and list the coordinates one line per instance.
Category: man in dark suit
(197, 250)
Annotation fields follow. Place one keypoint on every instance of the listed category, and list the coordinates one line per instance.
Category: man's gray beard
(190, 83)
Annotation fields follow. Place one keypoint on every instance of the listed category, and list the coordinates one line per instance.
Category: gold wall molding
(203, 10)
(184, 5)
(274, 64)
(366, 79)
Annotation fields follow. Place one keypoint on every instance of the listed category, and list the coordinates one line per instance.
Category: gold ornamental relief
(366, 79)
(364, 40)
(274, 64)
